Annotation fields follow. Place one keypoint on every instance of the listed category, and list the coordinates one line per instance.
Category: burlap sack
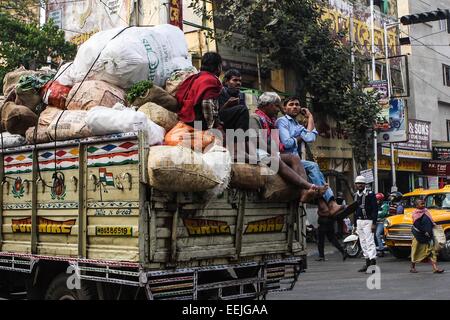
(248, 176)
(41, 135)
(159, 115)
(176, 78)
(179, 169)
(46, 117)
(12, 78)
(94, 93)
(16, 119)
(29, 98)
(71, 125)
(159, 96)
(277, 189)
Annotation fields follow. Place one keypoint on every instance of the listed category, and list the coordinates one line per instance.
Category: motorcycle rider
(396, 206)
(383, 212)
(365, 219)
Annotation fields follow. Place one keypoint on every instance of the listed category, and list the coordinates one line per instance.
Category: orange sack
(55, 94)
(184, 135)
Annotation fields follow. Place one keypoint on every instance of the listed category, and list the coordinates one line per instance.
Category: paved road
(335, 280)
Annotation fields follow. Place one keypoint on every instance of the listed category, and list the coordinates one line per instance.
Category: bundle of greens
(138, 89)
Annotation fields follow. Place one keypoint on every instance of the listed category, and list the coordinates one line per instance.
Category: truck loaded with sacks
(105, 195)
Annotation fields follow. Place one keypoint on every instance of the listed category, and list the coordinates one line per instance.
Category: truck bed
(88, 202)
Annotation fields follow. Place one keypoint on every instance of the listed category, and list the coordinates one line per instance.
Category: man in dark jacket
(366, 221)
(233, 111)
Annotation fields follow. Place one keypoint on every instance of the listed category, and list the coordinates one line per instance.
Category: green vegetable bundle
(138, 89)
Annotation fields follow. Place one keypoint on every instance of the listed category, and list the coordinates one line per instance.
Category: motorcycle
(351, 244)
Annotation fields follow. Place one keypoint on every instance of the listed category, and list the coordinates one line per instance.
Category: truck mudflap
(225, 282)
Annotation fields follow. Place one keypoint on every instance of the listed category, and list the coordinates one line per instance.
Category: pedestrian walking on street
(366, 219)
(383, 212)
(423, 248)
(326, 228)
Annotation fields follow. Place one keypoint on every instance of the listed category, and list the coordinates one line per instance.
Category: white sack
(218, 159)
(119, 119)
(136, 54)
(12, 140)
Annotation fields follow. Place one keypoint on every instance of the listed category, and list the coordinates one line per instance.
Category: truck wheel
(444, 254)
(400, 253)
(58, 290)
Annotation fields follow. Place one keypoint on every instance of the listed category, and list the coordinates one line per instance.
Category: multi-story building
(429, 79)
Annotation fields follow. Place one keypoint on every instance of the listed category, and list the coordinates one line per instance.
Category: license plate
(113, 231)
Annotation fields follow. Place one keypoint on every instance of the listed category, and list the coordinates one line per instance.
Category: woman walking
(423, 248)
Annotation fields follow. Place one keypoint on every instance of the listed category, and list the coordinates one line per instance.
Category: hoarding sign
(397, 123)
(381, 86)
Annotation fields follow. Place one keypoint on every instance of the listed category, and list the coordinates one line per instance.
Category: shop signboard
(332, 141)
(368, 174)
(418, 145)
(436, 168)
(441, 153)
(406, 165)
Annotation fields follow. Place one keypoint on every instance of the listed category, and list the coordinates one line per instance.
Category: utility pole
(388, 76)
(352, 58)
(375, 144)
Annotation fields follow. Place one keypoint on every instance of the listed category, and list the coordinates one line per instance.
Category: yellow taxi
(397, 229)
(409, 199)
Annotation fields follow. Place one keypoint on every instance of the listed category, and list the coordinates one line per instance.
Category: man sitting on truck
(292, 134)
(290, 166)
(198, 95)
(233, 110)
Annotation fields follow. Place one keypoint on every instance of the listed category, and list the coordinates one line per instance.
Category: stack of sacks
(126, 57)
(180, 169)
(24, 89)
(102, 121)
